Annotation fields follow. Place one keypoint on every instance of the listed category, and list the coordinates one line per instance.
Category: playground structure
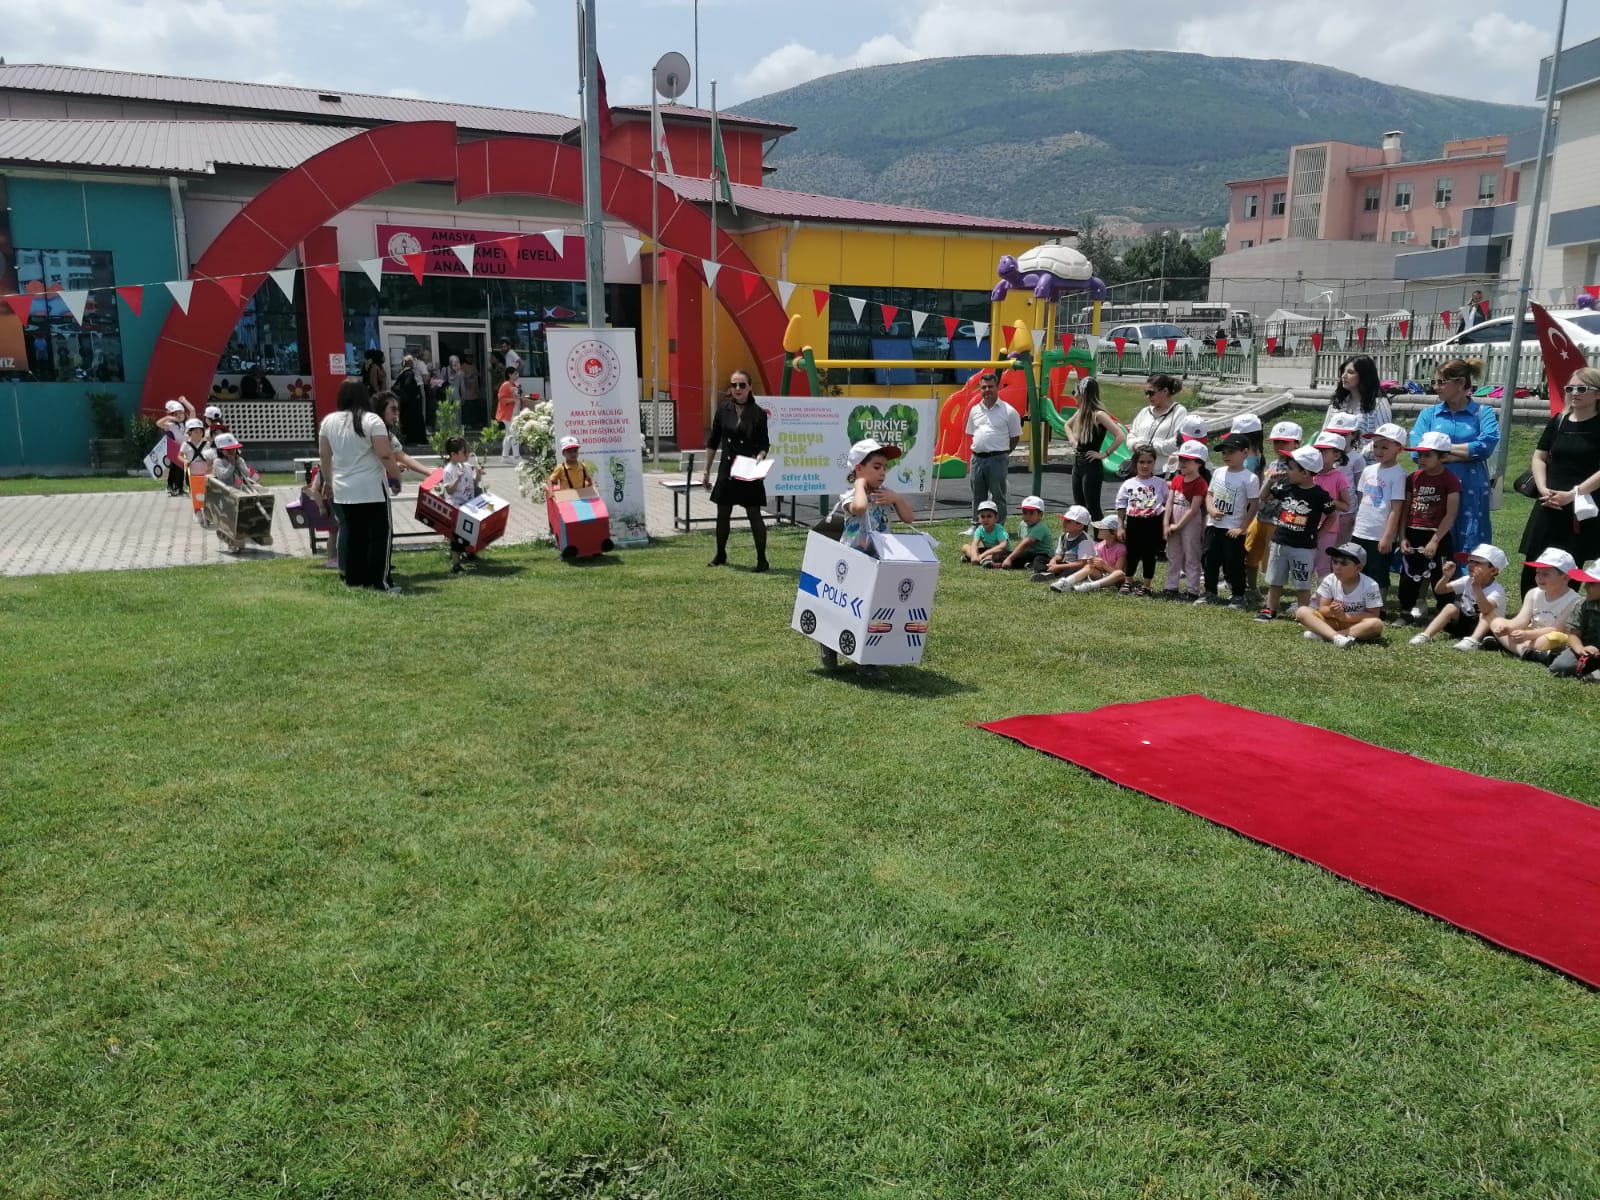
(1041, 384)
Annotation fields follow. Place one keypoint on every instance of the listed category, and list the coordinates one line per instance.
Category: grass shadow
(898, 681)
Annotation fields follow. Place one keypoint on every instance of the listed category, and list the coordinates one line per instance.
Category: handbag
(1523, 484)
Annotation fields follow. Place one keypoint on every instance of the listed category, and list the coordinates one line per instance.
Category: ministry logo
(402, 243)
(593, 368)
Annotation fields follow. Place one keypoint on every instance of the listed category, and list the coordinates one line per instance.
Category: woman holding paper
(1566, 470)
(739, 429)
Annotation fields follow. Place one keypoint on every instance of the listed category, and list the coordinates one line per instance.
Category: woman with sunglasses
(1474, 432)
(739, 428)
(1566, 465)
(1156, 424)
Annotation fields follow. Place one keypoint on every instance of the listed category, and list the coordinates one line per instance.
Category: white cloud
(793, 63)
(203, 37)
(490, 18)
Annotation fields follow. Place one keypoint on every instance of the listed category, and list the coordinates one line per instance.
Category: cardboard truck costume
(579, 521)
(477, 523)
(873, 611)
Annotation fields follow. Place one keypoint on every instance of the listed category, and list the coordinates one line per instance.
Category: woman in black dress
(739, 427)
(1566, 462)
(1088, 428)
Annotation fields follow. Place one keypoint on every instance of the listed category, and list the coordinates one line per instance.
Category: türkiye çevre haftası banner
(812, 435)
(594, 389)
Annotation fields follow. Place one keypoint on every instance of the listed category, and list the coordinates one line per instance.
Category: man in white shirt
(512, 360)
(996, 428)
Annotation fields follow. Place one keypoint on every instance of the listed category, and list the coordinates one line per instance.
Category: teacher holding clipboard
(738, 428)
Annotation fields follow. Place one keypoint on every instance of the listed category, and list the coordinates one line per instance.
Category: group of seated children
(1322, 521)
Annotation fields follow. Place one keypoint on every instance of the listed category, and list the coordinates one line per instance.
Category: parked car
(1582, 325)
(1146, 336)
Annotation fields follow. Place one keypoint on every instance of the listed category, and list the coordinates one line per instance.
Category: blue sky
(520, 53)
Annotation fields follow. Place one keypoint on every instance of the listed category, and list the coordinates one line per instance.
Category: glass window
(1488, 186)
(848, 338)
(1372, 198)
(1402, 195)
(1444, 189)
(59, 347)
(270, 332)
(1246, 244)
(1439, 237)
(1251, 205)
(1588, 322)
(1400, 235)
(1279, 200)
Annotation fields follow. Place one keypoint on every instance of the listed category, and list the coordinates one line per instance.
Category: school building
(283, 213)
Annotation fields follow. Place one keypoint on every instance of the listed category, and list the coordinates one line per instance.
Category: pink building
(1336, 191)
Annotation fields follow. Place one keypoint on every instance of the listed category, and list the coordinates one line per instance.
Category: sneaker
(989, 564)
(1422, 640)
(1208, 598)
(1468, 643)
(1061, 585)
(1343, 640)
(1288, 609)
(1038, 577)
(1239, 606)
(1416, 614)
(1311, 636)
(1543, 657)
(1085, 586)
(1266, 614)
(1490, 642)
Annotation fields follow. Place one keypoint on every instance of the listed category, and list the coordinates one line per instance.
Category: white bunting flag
(1342, 337)
(374, 269)
(712, 270)
(631, 246)
(1038, 341)
(181, 289)
(856, 306)
(76, 302)
(980, 330)
(918, 319)
(467, 252)
(557, 239)
(284, 278)
(785, 290)
(1558, 295)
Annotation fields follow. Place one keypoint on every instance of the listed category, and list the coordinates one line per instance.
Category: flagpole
(655, 276)
(1508, 395)
(594, 249)
(716, 133)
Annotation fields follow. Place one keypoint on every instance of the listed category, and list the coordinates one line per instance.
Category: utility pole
(594, 230)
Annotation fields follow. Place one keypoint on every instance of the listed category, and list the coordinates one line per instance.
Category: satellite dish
(671, 75)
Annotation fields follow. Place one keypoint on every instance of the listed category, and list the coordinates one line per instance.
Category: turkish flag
(950, 327)
(133, 296)
(1066, 343)
(1222, 344)
(1120, 343)
(821, 297)
(1405, 329)
(1172, 346)
(889, 314)
(1561, 357)
(1272, 346)
(1316, 342)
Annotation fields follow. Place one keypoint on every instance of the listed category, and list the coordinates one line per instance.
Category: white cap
(1556, 559)
(1032, 502)
(1246, 423)
(869, 446)
(1342, 422)
(1308, 457)
(1286, 431)
(174, 406)
(1435, 440)
(988, 506)
(1078, 513)
(1492, 555)
(1109, 521)
(1193, 450)
(569, 443)
(1589, 574)
(1195, 427)
(1328, 440)
(1350, 550)
(226, 441)
(213, 412)
(1395, 433)
(194, 423)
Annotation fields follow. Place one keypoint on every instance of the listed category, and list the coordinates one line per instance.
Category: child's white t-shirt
(1467, 601)
(1231, 493)
(1379, 487)
(1557, 613)
(1072, 549)
(459, 486)
(1142, 497)
(1361, 600)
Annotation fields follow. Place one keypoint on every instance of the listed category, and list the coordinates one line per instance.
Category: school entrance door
(439, 338)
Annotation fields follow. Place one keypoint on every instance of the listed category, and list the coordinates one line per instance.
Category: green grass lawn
(62, 485)
(529, 878)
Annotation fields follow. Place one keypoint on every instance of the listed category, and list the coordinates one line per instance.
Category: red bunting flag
(750, 282)
(1361, 337)
(1316, 342)
(1272, 346)
(414, 263)
(889, 314)
(1066, 343)
(821, 297)
(329, 274)
(1561, 357)
(1445, 317)
(1010, 332)
(21, 305)
(1121, 343)
(1172, 347)
(950, 327)
(1222, 345)
(133, 296)
(1405, 329)
(233, 287)
(1592, 291)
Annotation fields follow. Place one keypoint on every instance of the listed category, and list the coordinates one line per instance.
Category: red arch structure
(299, 203)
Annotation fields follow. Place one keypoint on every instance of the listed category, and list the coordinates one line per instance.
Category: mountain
(1125, 135)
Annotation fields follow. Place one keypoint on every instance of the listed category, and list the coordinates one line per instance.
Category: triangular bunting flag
(1445, 317)
(750, 282)
(1272, 345)
(133, 296)
(785, 290)
(631, 246)
(890, 312)
(1008, 332)
(374, 269)
(1316, 342)
(1066, 343)
(1222, 347)
(856, 307)
(233, 287)
(415, 264)
(285, 280)
(918, 320)
(1038, 340)
(21, 305)
(821, 299)
(673, 259)
(181, 290)
(1172, 347)
(950, 327)
(980, 331)
(329, 274)
(1342, 337)
(1405, 329)
(1121, 343)
(1558, 295)
(1361, 338)
(76, 302)
(557, 239)
(712, 270)
(1592, 290)
(467, 252)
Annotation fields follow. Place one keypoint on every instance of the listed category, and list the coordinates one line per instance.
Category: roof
(687, 112)
(1406, 164)
(1256, 179)
(776, 202)
(349, 107)
(169, 147)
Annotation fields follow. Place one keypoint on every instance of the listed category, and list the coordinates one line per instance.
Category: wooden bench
(683, 520)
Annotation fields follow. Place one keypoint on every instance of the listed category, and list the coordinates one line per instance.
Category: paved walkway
(120, 531)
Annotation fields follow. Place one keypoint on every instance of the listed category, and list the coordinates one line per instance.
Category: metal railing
(1418, 366)
(1235, 363)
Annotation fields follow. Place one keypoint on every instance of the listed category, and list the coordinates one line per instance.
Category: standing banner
(594, 389)
(812, 435)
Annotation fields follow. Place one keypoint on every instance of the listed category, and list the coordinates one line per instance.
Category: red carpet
(1517, 865)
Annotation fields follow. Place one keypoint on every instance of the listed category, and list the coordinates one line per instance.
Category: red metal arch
(301, 201)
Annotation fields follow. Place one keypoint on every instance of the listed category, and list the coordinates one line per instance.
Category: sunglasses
(1151, 391)
(1577, 389)
(739, 387)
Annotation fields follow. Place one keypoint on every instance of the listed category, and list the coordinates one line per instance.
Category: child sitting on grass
(1479, 599)
(1104, 569)
(1074, 548)
(1349, 607)
(1304, 508)
(461, 480)
(1031, 549)
(1539, 630)
(1581, 656)
(989, 541)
